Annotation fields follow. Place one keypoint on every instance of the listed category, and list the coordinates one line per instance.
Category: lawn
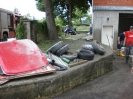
(82, 29)
(48, 43)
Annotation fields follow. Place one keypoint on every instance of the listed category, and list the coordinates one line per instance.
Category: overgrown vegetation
(42, 28)
(62, 16)
(20, 29)
(42, 31)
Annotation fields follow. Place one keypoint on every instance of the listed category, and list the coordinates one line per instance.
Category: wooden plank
(77, 63)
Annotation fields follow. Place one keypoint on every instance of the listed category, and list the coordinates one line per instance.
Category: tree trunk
(70, 13)
(52, 31)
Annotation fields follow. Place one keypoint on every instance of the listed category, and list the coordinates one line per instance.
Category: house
(111, 17)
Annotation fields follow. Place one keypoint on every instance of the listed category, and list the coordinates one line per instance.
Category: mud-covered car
(69, 30)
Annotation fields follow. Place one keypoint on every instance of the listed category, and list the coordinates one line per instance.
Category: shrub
(42, 28)
(20, 29)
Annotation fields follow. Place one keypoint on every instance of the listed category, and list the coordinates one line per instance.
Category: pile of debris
(23, 58)
(59, 57)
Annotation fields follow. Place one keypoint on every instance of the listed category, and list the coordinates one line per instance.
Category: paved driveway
(117, 84)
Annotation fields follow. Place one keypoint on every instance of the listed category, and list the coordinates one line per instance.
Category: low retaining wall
(50, 85)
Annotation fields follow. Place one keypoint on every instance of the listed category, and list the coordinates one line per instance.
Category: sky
(24, 6)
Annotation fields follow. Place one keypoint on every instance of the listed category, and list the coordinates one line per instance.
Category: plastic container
(65, 60)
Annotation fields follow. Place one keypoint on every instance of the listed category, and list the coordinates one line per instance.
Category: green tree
(40, 5)
(79, 14)
(66, 8)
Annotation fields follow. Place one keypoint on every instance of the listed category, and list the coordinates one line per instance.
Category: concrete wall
(51, 85)
(27, 33)
(30, 30)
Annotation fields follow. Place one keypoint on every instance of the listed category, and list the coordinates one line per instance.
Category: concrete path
(117, 84)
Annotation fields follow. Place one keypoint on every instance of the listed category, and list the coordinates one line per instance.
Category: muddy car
(69, 30)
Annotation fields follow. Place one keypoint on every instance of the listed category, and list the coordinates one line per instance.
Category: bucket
(123, 49)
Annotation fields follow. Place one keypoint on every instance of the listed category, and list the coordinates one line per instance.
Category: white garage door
(107, 35)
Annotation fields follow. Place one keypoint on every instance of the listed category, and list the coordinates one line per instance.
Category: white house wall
(100, 19)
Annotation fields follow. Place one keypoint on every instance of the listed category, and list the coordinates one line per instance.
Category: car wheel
(74, 33)
(83, 50)
(85, 55)
(5, 37)
(62, 50)
(55, 47)
(70, 57)
(97, 46)
(88, 47)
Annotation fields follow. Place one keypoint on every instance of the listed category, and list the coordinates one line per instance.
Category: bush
(42, 28)
(59, 29)
(20, 29)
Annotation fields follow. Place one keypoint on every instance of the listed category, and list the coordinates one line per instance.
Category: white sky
(24, 6)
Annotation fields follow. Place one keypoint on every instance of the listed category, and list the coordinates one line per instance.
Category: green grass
(44, 46)
(82, 28)
(82, 31)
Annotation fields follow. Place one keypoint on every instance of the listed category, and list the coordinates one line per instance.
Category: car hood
(19, 56)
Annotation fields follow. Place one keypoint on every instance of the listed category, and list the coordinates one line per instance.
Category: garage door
(107, 35)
